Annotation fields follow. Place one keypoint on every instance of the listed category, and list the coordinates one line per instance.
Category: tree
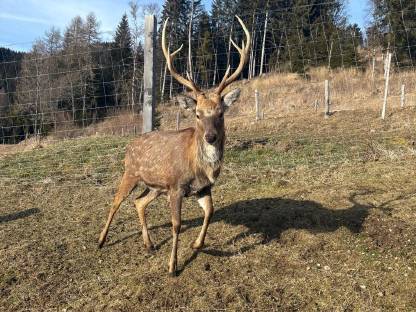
(393, 25)
(91, 30)
(204, 52)
(178, 13)
(222, 15)
(122, 56)
(10, 69)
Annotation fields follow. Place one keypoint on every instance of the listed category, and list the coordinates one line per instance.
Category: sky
(23, 21)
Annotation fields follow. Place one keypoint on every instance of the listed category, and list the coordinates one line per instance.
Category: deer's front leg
(175, 201)
(205, 201)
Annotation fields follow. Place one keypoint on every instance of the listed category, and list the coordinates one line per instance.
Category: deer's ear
(230, 98)
(186, 102)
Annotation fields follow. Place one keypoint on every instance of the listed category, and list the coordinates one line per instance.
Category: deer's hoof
(150, 249)
(196, 245)
(173, 274)
(100, 244)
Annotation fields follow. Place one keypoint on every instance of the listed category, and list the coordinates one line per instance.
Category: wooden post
(327, 99)
(386, 87)
(178, 120)
(316, 105)
(402, 96)
(149, 97)
(256, 96)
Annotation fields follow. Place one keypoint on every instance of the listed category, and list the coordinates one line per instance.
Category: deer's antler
(244, 51)
(169, 62)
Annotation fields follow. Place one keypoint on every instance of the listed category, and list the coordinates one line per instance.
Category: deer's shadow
(270, 217)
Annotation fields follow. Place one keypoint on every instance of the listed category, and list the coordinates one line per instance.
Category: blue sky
(23, 21)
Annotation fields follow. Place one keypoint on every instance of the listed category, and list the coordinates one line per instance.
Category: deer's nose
(210, 137)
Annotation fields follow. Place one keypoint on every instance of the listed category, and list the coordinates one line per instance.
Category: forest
(76, 77)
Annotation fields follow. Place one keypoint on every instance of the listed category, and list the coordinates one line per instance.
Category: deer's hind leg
(127, 185)
(141, 203)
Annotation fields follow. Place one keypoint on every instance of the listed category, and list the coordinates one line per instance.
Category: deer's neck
(209, 156)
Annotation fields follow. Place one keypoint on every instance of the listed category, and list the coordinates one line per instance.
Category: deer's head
(210, 107)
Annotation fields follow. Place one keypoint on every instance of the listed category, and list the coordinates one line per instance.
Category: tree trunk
(133, 81)
(190, 74)
(162, 91)
(229, 48)
(330, 55)
(215, 68)
(264, 43)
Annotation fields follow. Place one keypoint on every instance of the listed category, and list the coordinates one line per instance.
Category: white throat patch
(210, 153)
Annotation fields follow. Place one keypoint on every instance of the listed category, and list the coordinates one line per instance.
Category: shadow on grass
(270, 217)
(18, 215)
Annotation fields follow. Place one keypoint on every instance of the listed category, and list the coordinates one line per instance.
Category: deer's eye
(197, 116)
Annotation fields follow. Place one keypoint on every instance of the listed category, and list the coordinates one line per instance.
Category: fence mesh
(78, 86)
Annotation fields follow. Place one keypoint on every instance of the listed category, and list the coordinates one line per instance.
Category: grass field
(311, 214)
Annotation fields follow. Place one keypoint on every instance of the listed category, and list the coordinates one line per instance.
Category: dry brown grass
(351, 89)
(119, 123)
(311, 215)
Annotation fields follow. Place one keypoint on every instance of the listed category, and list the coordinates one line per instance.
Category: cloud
(31, 18)
(22, 18)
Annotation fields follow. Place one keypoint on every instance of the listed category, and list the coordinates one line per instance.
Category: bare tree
(134, 7)
(264, 40)
(138, 12)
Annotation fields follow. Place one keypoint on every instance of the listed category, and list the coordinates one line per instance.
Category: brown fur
(174, 163)
(180, 163)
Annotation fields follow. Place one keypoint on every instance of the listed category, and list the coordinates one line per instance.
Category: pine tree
(394, 24)
(123, 62)
(222, 14)
(80, 85)
(177, 34)
(204, 53)
(11, 129)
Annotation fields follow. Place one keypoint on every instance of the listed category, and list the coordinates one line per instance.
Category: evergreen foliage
(393, 27)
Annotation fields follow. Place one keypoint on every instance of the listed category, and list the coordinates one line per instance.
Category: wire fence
(90, 89)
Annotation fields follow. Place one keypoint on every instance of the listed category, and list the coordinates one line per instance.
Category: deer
(180, 163)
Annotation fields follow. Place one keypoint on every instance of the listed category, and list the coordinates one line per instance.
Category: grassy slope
(311, 215)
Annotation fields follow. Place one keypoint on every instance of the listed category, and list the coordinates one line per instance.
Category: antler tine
(237, 47)
(222, 85)
(169, 62)
(177, 51)
(243, 51)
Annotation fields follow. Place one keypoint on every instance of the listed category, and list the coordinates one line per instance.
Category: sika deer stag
(180, 163)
